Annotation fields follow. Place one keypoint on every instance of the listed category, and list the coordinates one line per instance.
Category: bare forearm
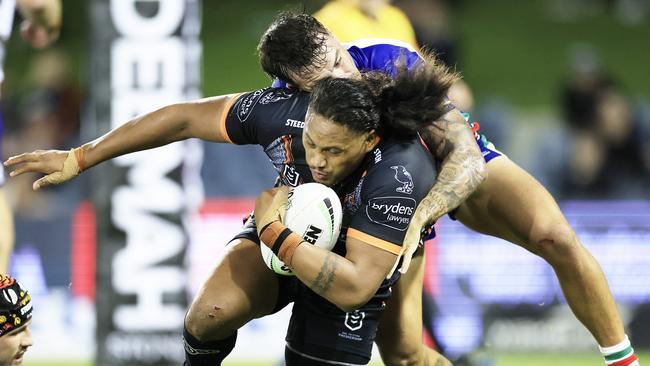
(151, 130)
(195, 119)
(461, 170)
(333, 277)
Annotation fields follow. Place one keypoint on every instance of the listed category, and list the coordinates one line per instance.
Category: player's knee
(207, 324)
(556, 243)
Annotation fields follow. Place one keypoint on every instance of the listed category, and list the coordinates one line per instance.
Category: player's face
(334, 151)
(338, 64)
(13, 347)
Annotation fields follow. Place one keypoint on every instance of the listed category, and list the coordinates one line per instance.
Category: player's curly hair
(293, 44)
(396, 107)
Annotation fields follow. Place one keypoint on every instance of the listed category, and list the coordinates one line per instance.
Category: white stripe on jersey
(367, 42)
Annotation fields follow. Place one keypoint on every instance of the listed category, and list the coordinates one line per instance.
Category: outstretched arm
(199, 119)
(461, 170)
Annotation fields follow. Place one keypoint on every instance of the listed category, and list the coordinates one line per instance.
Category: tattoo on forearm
(461, 167)
(323, 281)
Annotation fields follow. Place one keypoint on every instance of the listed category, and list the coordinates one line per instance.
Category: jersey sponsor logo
(247, 104)
(404, 177)
(393, 212)
(354, 320)
(275, 95)
(295, 123)
(290, 176)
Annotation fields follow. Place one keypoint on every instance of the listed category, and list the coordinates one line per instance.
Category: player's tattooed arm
(347, 282)
(461, 168)
(323, 281)
(460, 164)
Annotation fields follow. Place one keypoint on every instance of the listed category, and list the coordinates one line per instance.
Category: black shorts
(320, 332)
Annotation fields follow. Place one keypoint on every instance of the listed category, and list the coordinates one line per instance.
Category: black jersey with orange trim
(378, 199)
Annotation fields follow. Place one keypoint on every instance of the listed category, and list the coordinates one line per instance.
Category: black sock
(210, 353)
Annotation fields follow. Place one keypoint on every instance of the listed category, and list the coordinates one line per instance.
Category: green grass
(504, 359)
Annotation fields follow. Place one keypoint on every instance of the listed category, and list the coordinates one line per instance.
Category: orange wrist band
(282, 241)
(81, 160)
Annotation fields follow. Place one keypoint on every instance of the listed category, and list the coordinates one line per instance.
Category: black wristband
(278, 242)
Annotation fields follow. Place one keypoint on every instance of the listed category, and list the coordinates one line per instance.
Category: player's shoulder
(384, 44)
(390, 151)
(265, 100)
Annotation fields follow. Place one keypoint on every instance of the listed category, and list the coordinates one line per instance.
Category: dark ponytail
(415, 98)
(397, 107)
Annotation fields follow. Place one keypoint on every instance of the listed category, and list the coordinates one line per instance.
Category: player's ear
(372, 139)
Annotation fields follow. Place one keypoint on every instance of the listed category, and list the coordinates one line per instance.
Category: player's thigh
(240, 288)
(399, 336)
(511, 204)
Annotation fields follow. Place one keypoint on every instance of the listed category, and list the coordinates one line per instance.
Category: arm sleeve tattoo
(461, 167)
(323, 281)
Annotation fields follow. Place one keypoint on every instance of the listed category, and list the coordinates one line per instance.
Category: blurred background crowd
(560, 86)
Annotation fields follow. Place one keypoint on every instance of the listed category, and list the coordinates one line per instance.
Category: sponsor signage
(149, 58)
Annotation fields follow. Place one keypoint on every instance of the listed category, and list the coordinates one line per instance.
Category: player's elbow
(349, 306)
(480, 170)
(476, 170)
(353, 299)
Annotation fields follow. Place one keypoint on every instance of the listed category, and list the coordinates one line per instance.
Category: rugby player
(15, 316)
(509, 203)
(351, 142)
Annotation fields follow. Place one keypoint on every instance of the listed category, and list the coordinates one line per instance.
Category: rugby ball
(313, 212)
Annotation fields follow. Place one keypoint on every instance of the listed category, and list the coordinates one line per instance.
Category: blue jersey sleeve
(277, 83)
(382, 55)
(376, 55)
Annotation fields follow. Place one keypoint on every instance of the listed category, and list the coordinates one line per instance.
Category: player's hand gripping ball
(313, 212)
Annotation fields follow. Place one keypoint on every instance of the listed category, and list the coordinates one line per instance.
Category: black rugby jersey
(378, 199)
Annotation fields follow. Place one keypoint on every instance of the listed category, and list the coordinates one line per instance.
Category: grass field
(509, 359)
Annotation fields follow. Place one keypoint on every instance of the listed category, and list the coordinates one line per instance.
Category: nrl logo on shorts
(354, 320)
(404, 177)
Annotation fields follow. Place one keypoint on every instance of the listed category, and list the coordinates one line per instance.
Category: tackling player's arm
(199, 119)
(461, 170)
